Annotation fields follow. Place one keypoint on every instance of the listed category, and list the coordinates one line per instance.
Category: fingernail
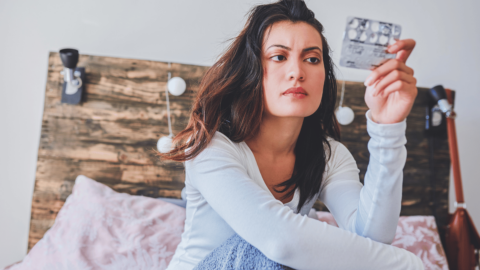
(368, 81)
(393, 48)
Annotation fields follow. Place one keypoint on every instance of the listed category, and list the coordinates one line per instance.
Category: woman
(262, 145)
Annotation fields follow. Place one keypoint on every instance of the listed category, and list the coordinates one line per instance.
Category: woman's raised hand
(391, 88)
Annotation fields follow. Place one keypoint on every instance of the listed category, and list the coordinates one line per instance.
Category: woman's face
(292, 57)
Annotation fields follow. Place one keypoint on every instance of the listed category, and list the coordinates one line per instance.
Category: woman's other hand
(391, 87)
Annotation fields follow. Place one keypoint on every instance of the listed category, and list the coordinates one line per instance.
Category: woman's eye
(278, 56)
(316, 60)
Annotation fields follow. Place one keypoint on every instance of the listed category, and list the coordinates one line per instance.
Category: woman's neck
(277, 137)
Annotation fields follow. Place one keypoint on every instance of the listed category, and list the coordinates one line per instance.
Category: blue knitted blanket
(237, 254)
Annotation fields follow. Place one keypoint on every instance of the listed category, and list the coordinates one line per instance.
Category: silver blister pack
(365, 42)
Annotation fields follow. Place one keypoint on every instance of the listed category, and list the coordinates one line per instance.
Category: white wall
(192, 32)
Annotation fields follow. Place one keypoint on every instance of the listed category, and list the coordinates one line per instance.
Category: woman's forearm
(381, 197)
(371, 210)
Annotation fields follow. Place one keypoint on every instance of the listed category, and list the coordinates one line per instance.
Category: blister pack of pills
(365, 42)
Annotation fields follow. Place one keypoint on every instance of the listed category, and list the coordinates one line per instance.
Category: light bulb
(345, 115)
(176, 86)
(164, 144)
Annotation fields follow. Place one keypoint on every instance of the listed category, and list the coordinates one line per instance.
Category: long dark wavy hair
(231, 100)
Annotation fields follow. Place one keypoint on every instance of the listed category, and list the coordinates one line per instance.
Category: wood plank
(54, 175)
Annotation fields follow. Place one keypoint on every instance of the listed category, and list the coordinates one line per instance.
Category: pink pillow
(417, 234)
(98, 228)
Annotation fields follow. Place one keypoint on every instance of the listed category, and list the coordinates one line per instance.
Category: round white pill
(363, 36)
(391, 41)
(383, 39)
(354, 23)
(352, 34)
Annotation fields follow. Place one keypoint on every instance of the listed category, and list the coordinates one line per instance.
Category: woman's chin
(300, 113)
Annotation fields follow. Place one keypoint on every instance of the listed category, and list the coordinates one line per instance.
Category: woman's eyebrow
(289, 49)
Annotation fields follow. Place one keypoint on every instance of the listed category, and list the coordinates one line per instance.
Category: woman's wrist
(375, 129)
(375, 119)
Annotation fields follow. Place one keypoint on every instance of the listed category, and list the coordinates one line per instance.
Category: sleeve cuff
(385, 130)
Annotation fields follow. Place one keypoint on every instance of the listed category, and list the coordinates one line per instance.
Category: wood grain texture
(111, 137)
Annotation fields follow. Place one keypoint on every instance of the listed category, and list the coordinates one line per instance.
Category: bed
(111, 138)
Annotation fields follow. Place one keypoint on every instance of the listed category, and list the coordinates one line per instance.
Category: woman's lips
(296, 92)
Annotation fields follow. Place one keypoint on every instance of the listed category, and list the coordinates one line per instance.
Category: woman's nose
(296, 71)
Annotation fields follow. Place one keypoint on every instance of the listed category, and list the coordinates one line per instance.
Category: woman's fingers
(395, 75)
(386, 68)
(403, 48)
(400, 86)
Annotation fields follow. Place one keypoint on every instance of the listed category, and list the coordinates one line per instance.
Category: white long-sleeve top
(226, 195)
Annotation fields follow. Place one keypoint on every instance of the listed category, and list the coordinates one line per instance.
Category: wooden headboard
(111, 136)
